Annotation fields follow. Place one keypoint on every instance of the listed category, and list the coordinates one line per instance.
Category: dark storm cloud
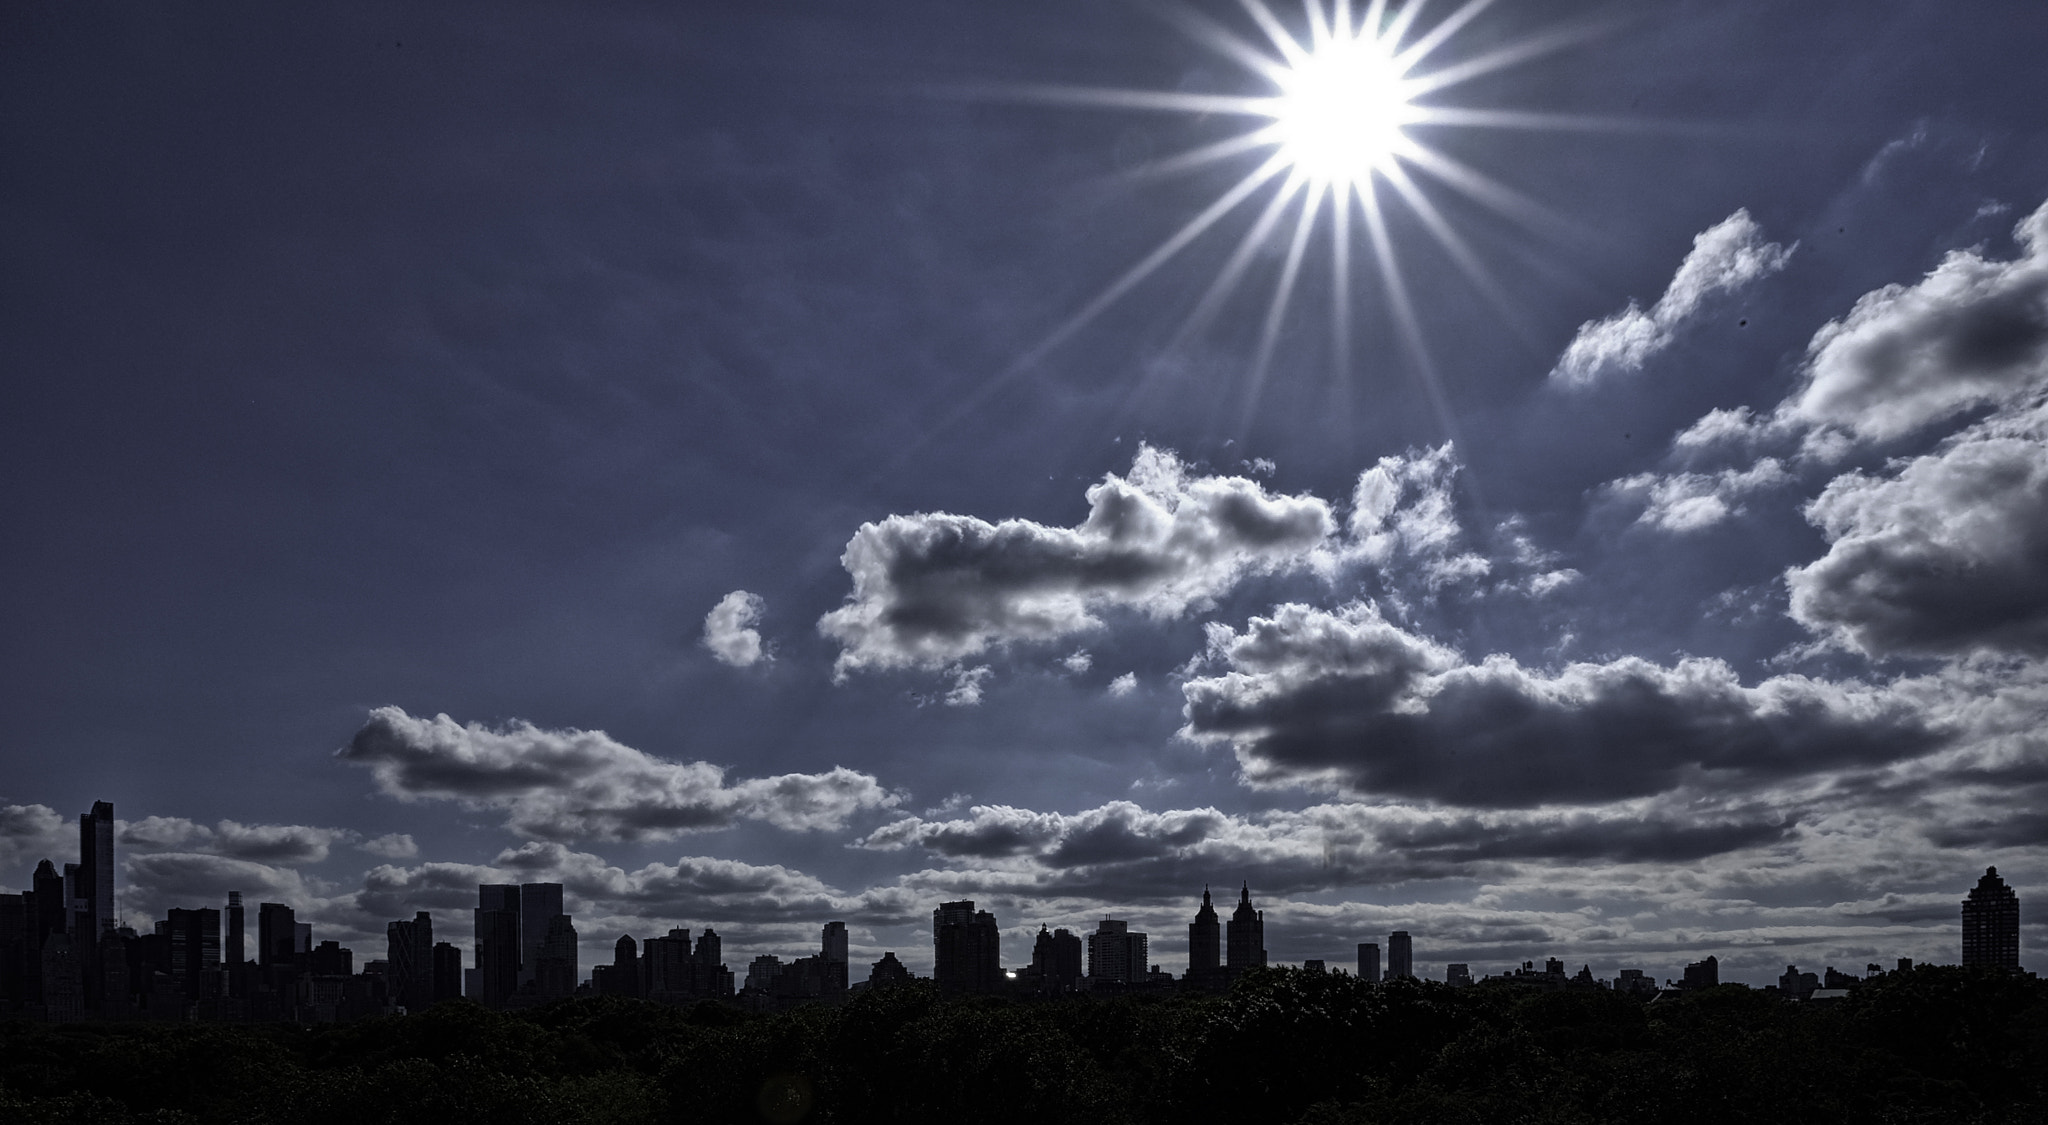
(1944, 553)
(1350, 700)
(931, 589)
(1587, 836)
(576, 784)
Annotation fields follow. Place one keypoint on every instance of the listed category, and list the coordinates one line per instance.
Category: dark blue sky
(1685, 592)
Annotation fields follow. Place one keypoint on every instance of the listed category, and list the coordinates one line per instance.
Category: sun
(1342, 109)
(1341, 104)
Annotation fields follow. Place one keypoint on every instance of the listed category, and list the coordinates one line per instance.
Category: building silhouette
(1400, 956)
(276, 934)
(194, 937)
(1703, 974)
(447, 971)
(1991, 924)
(538, 902)
(966, 948)
(1369, 961)
(496, 929)
(94, 894)
(1458, 974)
(1055, 963)
(409, 962)
(1205, 946)
(888, 972)
(1116, 956)
(1245, 936)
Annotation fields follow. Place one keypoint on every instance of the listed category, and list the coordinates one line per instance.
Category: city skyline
(525, 951)
(1552, 479)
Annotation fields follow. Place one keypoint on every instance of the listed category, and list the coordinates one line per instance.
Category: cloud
(1973, 331)
(1725, 257)
(1120, 851)
(395, 845)
(1688, 501)
(157, 881)
(729, 629)
(701, 886)
(32, 833)
(1349, 700)
(966, 689)
(575, 784)
(1944, 553)
(288, 844)
(1078, 661)
(932, 589)
(1124, 684)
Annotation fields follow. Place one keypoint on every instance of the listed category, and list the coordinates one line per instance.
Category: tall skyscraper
(96, 869)
(1115, 954)
(1245, 936)
(231, 950)
(277, 935)
(538, 902)
(409, 962)
(1205, 941)
(1056, 960)
(1400, 956)
(497, 943)
(1369, 961)
(1991, 924)
(832, 951)
(966, 948)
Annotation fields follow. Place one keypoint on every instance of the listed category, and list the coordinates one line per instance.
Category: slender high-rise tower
(1205, 941)
(1991, 924)
(1245, 944)
(96, 869)
(1369, 961)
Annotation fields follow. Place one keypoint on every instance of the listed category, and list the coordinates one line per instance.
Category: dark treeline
(1284, 1045)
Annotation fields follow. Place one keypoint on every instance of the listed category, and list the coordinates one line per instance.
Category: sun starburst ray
(1501, 58)
(1108, 97)
(1240, 259)
(1496, 196)
(1283, 41)
(1205, 155)
(1340, 278)
(1403, 308)
(1533, 120)
(1459, 251)
(1397, 28)
(1179, 241)
(1318, 34)
(1219, 39)
(1283, 293)
(1412, 55)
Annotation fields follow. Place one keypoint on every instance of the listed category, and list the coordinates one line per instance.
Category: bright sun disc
(1341, 111)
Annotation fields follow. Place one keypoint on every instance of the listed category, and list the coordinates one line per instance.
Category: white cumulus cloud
(729, 629)
(1725, 257)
